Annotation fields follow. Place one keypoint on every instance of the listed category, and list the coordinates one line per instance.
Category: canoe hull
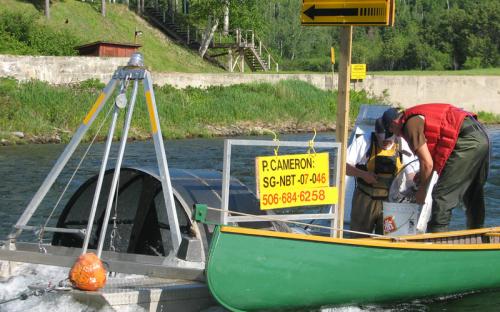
(259, 271)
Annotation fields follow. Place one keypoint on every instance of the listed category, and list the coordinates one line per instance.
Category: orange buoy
(88, 272)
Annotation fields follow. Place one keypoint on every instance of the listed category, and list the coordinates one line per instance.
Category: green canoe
(251, 270)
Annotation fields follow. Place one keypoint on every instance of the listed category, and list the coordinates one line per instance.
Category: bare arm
(426, 165)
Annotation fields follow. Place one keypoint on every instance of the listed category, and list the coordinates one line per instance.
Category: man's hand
(420, 196)
(369, 177)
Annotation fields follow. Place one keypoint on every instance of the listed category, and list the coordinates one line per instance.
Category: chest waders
(385, 164)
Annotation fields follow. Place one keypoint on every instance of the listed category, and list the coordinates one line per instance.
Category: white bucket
(400, 218)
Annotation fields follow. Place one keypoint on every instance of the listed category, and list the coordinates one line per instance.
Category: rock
(18, 134)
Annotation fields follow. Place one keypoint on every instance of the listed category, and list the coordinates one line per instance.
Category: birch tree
(47, 9)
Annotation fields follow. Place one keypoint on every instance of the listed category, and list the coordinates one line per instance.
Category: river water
(23, 168)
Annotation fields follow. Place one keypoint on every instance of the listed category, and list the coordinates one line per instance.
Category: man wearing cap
(373, 159)
(453, 143)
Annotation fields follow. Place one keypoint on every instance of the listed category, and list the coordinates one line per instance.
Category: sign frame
(226, 175)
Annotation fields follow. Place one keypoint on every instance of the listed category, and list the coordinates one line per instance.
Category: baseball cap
(388, 116)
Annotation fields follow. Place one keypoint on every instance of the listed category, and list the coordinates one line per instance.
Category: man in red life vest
(453, 143)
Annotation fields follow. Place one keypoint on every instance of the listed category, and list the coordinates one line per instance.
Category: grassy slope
(86, 23)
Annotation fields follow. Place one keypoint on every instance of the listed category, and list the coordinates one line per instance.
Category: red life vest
(442, 126)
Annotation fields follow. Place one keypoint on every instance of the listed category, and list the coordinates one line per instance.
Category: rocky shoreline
(240, 128)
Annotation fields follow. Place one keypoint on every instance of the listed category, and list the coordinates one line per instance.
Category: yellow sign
(332, 55)
(348, 12)
(358, 71)
(294, 180)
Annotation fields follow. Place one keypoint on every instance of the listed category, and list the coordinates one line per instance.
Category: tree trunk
(103, 8)
(47, 9)
(208, 36)
(225, 28)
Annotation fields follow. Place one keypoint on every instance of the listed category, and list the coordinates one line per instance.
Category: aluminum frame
(226, 174)
(136, 74)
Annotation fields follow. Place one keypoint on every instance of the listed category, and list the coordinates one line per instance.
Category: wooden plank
(342, 124)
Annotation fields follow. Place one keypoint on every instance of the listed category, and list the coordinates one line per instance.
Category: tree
(103, 8)
(47, 9)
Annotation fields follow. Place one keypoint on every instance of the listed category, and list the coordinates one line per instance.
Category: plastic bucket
(400, 218)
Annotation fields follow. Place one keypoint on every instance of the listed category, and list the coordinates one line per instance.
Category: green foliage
(82, 21)
(428, 35)
(23, 34)
(39, 109)
(488, 118)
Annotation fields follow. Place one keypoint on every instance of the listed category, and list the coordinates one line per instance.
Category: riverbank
(240, 128)
(37, 112)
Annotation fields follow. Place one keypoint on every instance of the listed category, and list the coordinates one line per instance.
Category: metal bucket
(400, 218)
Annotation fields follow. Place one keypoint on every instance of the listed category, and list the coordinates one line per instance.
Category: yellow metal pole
(343, 115)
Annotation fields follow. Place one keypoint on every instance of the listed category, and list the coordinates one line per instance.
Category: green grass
(84, 22)
(41, 110)
(488, 118)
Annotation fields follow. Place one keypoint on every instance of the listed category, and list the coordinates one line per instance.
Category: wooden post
(230, 60)
(242, 60)
(343, 116)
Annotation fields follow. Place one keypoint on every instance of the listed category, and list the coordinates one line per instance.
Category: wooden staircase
(242, 43)
(254, 60)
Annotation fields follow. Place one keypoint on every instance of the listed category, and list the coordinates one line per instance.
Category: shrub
(22, 34)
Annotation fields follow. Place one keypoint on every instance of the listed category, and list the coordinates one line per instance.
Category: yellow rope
(311, 144)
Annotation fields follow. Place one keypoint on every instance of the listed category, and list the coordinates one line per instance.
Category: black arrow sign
(312, 12)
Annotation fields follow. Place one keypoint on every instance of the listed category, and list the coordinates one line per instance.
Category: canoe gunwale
(396, 243)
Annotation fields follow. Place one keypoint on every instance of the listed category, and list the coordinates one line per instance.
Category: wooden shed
(104, 48)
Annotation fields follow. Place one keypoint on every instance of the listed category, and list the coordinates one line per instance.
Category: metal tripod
(136, 72)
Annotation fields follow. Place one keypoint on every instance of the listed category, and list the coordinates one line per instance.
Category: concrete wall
(476, 93)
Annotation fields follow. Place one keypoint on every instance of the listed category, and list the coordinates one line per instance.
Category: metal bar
(52, 229)
(100, 179)
(226, 176)
(283, 143)
(117, 262)
(63, 159)
(116, 174)
(335, 223)
(292, 217)
(161, 158)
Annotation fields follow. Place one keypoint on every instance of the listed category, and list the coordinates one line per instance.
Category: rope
(311, 144)
(42, 229)
(306, 224)
(275, 140)
(35, 292)
(114, 231)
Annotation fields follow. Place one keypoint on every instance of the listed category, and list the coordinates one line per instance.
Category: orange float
(88, 272)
